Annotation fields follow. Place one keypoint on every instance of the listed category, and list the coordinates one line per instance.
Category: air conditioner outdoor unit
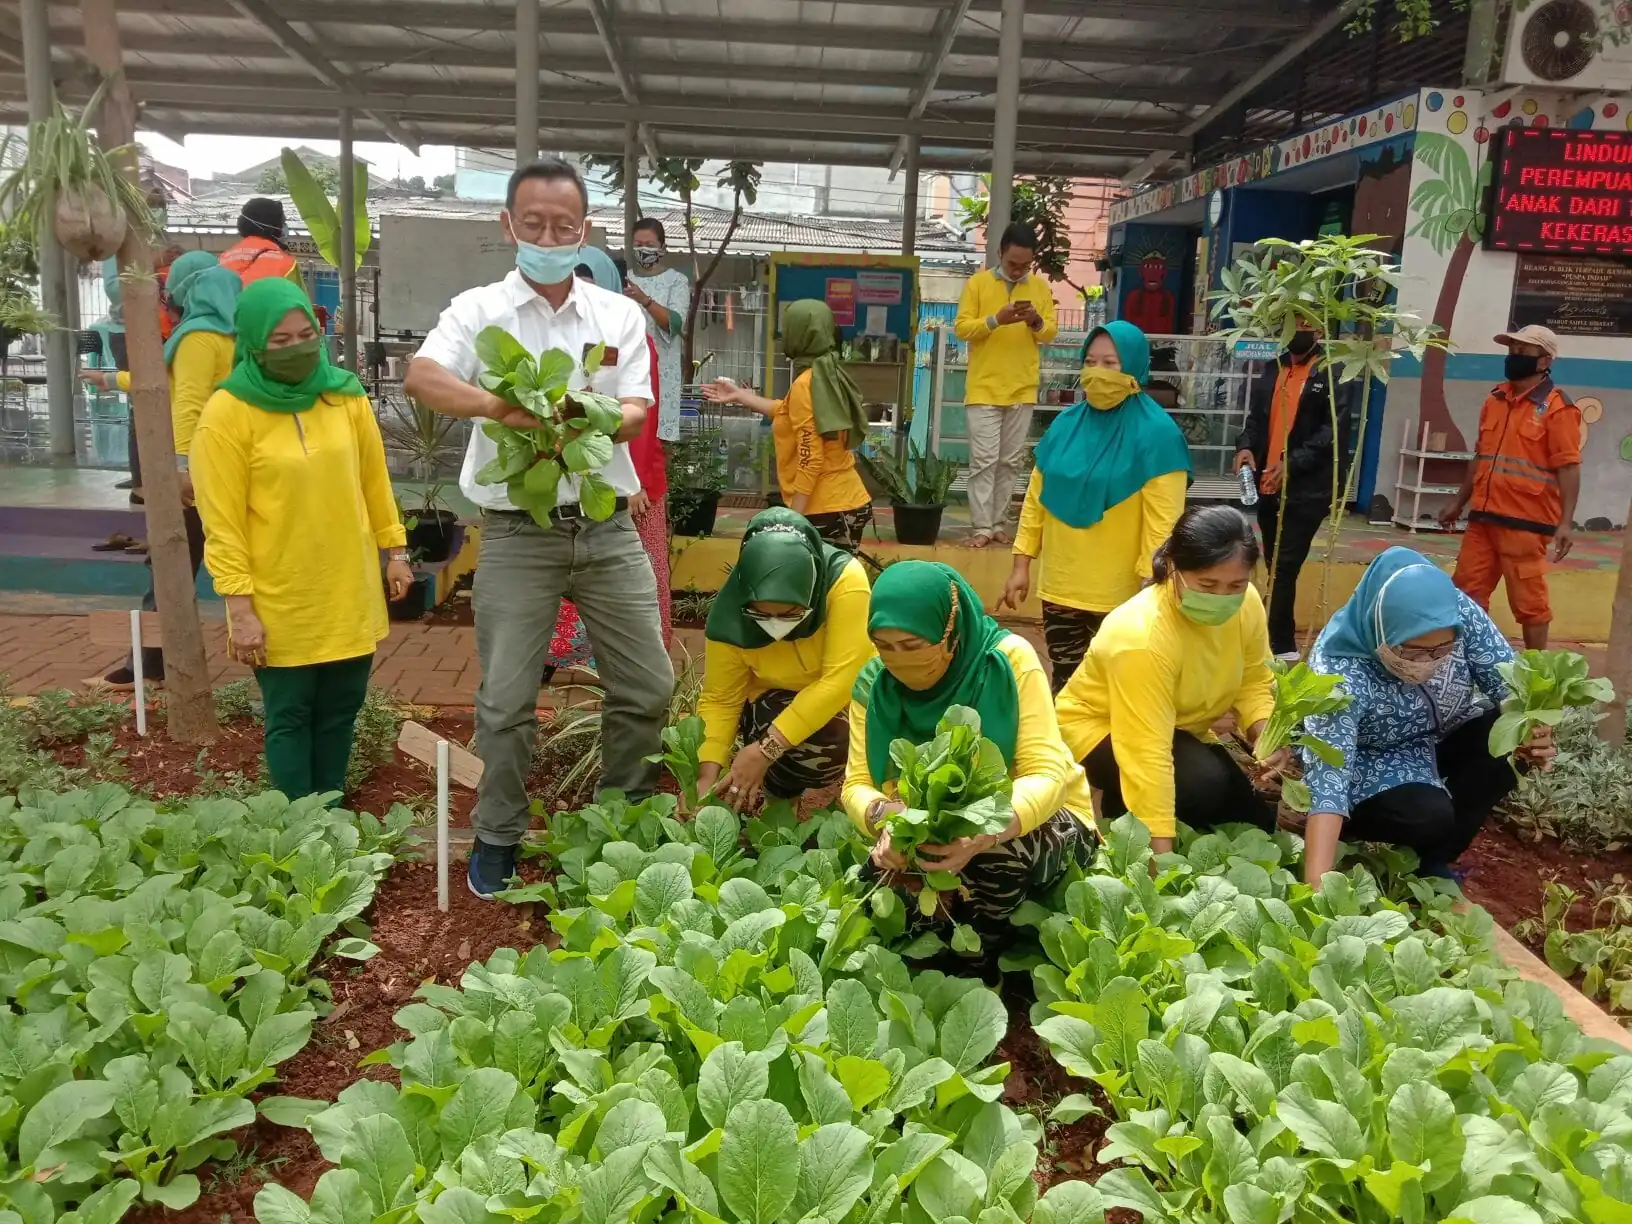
(1563, 43)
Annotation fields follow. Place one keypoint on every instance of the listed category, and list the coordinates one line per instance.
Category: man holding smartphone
(1005, 315)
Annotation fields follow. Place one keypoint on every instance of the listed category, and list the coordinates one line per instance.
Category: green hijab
(261, 308)
(809, 336)
(782, 560)
(205, 293)
(917, 597)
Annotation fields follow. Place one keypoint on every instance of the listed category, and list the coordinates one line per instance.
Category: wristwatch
(400, 556)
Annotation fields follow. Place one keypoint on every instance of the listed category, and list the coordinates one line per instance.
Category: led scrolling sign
(1562, 191)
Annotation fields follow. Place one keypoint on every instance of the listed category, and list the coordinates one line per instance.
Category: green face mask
(1205, 608)
(292, 365)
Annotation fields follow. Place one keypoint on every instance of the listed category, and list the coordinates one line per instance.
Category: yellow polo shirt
(202, 360)
(1004, 364)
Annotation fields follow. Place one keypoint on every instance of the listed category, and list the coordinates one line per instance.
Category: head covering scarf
(205, 293)
(918, 598)
(261, 308)
(809, 337)
(601, 268)
(1402, 595)
(1094, 458)
(115, 289)
(782, 560)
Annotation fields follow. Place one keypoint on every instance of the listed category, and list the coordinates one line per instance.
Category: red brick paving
(422, 664)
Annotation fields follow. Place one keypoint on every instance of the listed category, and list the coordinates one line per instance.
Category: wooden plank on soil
(419, 742)
(1594, 1021)
(113, 628)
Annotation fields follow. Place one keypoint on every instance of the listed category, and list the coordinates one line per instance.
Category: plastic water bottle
(1249, 485)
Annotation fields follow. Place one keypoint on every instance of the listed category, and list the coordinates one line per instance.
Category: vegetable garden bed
(1283, 1011)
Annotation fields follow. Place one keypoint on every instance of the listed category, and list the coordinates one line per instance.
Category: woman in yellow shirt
(786, 638)
(938, 648)
(816, 428)
(1108, 486)
(197, 356)
(297, 507)
(1164, 670)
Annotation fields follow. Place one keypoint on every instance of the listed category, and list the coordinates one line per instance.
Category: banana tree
(321, 215)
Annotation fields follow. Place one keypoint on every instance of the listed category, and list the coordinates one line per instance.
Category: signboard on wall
(1575, 295)
(1562, 190)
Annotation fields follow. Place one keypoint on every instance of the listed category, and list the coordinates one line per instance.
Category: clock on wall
(1215, 208)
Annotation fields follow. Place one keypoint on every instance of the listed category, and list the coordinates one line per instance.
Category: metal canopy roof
(1106, 85)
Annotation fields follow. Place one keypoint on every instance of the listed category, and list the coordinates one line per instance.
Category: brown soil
(1506, 874)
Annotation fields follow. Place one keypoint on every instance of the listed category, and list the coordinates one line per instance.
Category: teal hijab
(205, 293)
(601, 269)
(1094, 458)
(1401, 595)
(934, 601)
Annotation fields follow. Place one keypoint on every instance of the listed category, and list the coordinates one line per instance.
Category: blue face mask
(547, 265)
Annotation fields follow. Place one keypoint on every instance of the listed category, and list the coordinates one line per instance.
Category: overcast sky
(206, 156)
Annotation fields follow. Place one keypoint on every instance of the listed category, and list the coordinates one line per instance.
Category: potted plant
(92, 205)
(425, 438)
(916, 485)
(696, 467)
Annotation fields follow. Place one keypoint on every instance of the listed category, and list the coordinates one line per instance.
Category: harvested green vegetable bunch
(1300, 693)
(957, 785)
(1541, 685)
(575, 429)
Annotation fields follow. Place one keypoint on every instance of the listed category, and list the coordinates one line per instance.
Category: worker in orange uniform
(259, 251)
(1522, 485)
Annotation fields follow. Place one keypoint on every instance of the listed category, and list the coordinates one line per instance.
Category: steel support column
(59, 344)
(348, 244)
(631, 189)
(909, 199)
(1006, 121)
(526, 82)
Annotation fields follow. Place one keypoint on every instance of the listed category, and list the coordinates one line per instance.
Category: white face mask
(778, 627)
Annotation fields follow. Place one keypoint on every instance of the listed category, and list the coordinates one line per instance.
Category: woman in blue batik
(1419, 659)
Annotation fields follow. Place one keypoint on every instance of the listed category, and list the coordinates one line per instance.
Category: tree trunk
(688, 332)
(1613, 726)
(701, 283)
(190, 709)
(1435, 410)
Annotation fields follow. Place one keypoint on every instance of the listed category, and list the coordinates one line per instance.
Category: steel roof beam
(302, 52)
(1260, 15)
(947, 23)
(618, 57)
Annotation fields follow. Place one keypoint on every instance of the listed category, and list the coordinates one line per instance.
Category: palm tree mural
(1449, 212)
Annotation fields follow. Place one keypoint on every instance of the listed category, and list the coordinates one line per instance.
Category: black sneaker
(490, 869)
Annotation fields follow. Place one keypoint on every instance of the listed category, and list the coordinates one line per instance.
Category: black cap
(261, 218)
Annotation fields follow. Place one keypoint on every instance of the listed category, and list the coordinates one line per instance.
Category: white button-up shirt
(588, 317)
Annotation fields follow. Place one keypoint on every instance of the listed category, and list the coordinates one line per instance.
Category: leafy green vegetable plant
(1600, 952)
(574, 435)
(682, 756)
(1542, 684)
(1300, 693)
(155, 964)
(955, 786)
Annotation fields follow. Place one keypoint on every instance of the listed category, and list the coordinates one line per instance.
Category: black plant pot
(692, 511)
(414, 604)
(918, 524)
(431, 537)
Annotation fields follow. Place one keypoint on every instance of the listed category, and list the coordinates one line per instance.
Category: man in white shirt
(524, 570)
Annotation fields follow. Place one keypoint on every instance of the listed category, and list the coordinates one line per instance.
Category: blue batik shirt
(1390, 731)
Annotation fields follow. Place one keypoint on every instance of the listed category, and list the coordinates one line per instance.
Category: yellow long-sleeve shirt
(296, 507)
(1151, 671)
(1097, 568)
(821, 668)
(1003, 359)
(821, 469)
(202, 360)
(1046, 776)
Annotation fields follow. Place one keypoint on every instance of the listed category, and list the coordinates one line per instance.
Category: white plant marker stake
(442, 825)
(136, 671)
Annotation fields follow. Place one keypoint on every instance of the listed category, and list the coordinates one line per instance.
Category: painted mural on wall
(1448, 278)
(1151, 278)
(1382, 195)
(1345, 135)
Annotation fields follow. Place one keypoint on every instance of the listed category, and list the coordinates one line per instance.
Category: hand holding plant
(547, 431)
(1541, 685)
(1299, 693)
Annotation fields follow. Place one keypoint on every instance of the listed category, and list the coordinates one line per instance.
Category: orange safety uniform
(258, 258)
(1517, 503)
